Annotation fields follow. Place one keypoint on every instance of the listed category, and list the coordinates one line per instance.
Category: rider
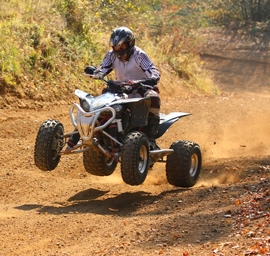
(129, 63)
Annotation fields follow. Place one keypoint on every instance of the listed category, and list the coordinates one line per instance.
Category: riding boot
(153, 123)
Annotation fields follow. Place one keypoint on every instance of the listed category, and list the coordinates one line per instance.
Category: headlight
(85, 106)
(117, 108)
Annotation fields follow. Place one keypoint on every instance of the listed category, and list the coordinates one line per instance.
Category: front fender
(167, 120)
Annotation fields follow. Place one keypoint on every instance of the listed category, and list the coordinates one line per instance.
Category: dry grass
(46, 45)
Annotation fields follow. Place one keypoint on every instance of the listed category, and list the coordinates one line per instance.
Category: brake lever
(147, 86)
(96, 77)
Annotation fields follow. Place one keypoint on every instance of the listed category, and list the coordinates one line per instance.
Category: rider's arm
(148, 67)
(107, 64)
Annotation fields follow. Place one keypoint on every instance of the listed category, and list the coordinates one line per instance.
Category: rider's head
(122, 42)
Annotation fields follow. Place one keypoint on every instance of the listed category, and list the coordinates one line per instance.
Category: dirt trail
(69, 212)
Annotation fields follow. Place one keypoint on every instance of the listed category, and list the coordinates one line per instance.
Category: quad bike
(112, 130)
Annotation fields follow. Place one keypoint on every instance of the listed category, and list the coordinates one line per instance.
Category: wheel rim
(143, 159)
(55, 148)
(194, 165)
(56, 144)
(109, 161)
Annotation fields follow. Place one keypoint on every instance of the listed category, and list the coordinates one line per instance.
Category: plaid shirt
(141, 64)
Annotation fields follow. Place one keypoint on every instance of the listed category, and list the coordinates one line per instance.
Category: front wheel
(49, 142)
(96, 163)
(183, 166)
(135, 158)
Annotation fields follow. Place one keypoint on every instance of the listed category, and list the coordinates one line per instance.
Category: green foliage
(48, 43)
(185, 15)
(225, 12)
(10, 56)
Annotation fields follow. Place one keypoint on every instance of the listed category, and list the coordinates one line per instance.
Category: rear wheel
(135, 158)
(96, 163)
(49, 142)
(183, 166)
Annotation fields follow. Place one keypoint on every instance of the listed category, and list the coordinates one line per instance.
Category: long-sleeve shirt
(139, 66)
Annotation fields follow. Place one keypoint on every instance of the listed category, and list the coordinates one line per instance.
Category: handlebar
(126, 85)
(116, 86)
(123, 83)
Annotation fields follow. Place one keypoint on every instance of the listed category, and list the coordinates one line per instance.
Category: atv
(112, 130)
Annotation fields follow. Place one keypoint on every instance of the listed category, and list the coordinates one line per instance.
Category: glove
(150, 81)
(113, 86)
(94, 72)
(90, 70)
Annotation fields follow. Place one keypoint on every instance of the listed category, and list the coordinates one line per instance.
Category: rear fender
(167, 120)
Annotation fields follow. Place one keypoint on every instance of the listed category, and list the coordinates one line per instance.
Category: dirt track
(69, 212)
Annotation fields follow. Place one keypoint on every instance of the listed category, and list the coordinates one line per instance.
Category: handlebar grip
(90, 70)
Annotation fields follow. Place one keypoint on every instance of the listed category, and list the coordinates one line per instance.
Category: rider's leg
(153, 123)
(153, 117)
